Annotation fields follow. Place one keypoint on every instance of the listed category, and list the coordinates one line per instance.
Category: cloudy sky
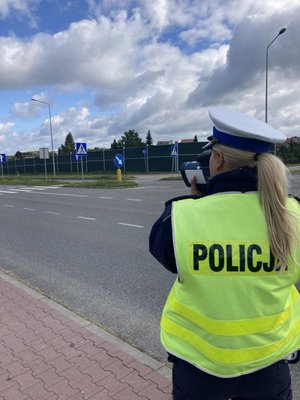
(106, 66)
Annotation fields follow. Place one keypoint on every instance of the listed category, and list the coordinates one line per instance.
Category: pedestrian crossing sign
(174, 151)
(81, 149)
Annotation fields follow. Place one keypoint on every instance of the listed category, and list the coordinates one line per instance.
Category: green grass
(91, 180)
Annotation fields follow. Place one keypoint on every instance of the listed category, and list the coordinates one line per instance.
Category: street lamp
(53, 159)
(267, 62)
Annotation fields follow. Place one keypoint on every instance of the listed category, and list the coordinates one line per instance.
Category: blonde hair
(273, 188)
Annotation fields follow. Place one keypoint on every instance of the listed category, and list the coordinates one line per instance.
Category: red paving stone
(45, 355)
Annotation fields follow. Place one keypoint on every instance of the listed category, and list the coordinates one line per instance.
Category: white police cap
(235, 129)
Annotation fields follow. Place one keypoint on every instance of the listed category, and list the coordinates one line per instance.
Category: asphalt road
(88, 249)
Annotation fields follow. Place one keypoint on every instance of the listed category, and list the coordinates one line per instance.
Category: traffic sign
(174, 151)
(2, 158)
(81, 149)
(44, 153)
(119, 160)
(76, 157)
(145, 152)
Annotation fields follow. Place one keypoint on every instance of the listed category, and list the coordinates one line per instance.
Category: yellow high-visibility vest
(231, 310)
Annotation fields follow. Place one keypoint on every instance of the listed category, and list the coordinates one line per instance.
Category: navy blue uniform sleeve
(296, 198)
(161, 238)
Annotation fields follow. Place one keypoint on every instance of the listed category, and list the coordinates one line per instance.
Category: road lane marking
(8, 205)
(8, 191)
(91, 219)
(105, 197)
(132, 225)
(65, 194)
(53, 212)
(48, 187)
(22, 190)
(37, 188)
(134, 199)
(28, 209)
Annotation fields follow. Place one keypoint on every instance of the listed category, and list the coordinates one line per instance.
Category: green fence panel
(136, 159)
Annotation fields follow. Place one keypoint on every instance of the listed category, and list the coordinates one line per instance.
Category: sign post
(119, 162)
(76, 158)
(44, 155)
(174, 155)
(2, 160)
(145, 152)
(80, 153)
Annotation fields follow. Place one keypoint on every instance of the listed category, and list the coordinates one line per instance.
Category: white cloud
(18, 6)
(6, 127)
(244, 69)
(20, 9)
(89, 53)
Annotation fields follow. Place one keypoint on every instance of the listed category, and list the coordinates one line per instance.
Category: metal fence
(163, 158)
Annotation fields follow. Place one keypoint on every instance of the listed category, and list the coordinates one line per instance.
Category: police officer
(232, 317)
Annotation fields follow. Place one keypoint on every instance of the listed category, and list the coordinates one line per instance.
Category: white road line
(8, 205)
(65, 194)
(28, 209)
(23, 190)
(134, 226)
(90, 219)
(105, 197)
(37, 188)
(134, 199)
(48, 187)
(53, 213)
(7, 191)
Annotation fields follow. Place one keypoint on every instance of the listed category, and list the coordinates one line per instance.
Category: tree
(149, 140)
(18, 154)
(26, 154)
(69, 146)
(130, 139)
(114, 145)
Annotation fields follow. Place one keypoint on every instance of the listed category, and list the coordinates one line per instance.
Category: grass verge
(105, 180)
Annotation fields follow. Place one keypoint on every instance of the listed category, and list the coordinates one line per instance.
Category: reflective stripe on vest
(234, 311)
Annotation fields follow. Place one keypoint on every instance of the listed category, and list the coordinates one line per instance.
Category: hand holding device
(199, 169)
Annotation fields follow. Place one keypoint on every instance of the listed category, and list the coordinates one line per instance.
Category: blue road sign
(2, 158)
(119, 160)
(81, 149)
(76, 157)
(145, 152)
(174, 151)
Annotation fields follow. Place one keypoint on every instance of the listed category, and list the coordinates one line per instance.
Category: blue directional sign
(119, 160)
(174, 151)
(2, 158)
(76, 157)
(145, 152)
(81, 149)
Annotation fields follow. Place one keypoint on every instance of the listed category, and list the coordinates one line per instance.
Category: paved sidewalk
(49, 353)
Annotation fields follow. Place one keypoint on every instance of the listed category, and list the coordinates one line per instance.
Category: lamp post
(53, 159)
(267, 65)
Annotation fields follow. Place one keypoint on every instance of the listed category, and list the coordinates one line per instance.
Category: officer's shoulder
(179, 198)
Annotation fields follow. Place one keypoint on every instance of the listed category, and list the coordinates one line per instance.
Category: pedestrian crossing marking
(25, 189)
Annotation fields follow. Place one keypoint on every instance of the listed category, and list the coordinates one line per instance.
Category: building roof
(162, 142)
(187, 140)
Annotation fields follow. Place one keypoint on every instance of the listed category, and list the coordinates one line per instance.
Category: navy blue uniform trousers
(270, 383)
